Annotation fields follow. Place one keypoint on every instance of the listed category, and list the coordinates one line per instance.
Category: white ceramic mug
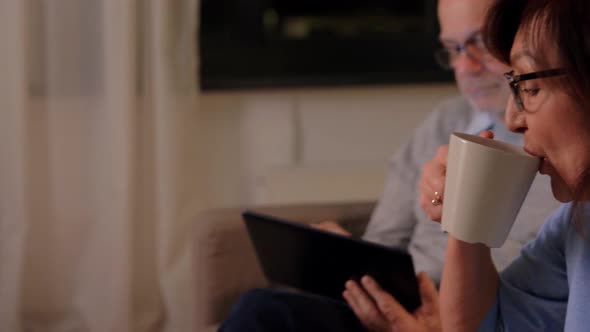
(485, 186)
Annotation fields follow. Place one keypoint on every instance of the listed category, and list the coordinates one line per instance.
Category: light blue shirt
(548, 287)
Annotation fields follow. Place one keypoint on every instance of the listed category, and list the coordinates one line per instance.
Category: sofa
(225, 263)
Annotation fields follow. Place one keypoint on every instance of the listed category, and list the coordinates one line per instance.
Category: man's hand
(378, 311)
(331, 226)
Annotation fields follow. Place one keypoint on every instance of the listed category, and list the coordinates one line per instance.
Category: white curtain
(99, 168)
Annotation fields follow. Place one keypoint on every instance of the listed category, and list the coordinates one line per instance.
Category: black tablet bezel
(318, 261)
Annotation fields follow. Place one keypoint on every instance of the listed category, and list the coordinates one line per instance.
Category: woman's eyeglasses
(523, 95)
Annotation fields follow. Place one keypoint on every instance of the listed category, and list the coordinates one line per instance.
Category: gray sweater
(398, 219)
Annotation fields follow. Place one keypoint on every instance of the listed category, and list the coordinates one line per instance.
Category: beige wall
(303, 145)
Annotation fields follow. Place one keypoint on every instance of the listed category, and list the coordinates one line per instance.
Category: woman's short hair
(558, 28)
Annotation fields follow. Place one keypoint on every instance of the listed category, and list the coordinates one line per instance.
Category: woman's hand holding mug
(432, 182)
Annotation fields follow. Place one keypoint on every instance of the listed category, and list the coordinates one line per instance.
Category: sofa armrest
(225, 261)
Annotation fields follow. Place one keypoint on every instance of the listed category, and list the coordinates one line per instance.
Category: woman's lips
(527, 150)
(544, 165)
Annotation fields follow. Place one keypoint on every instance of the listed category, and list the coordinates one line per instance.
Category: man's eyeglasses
(473, 47)
(524, 95)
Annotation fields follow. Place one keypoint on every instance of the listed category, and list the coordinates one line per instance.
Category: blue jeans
(273, 310)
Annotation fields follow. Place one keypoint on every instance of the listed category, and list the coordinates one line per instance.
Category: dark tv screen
(247, 44)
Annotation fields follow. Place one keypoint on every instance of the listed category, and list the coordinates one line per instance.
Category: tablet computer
(320, 262)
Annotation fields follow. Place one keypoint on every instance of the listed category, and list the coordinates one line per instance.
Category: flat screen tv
(285, 43)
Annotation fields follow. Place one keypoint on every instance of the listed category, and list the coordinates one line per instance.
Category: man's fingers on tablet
(363, 306)
(428, 292)
(389, 307)
(331, 226)
(349, 294)
(360, 297)
(350, 300)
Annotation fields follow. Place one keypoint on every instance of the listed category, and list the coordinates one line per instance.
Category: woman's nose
(515, 118)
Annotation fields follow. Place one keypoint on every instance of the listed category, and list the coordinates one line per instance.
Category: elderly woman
(547, 44)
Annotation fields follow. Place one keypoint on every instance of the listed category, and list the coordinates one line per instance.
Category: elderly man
(398, 219)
